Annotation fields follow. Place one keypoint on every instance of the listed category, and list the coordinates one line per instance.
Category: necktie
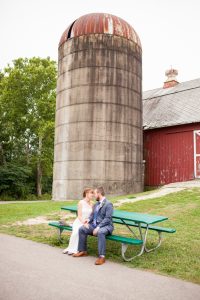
(95, 214)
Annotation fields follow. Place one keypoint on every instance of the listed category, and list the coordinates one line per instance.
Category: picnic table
(138, 225)
(141, 222)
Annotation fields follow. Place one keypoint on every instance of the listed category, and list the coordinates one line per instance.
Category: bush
(15, 181)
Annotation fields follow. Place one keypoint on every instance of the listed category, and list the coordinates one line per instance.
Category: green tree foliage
(27, 112)
(15, 180)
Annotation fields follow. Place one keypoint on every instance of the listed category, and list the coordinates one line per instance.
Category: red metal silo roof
(100, 23)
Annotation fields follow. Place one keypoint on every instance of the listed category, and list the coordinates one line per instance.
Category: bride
(84, 210)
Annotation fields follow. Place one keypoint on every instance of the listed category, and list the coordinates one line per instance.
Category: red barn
(171, 120)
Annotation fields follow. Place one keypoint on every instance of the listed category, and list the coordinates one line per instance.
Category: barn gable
(171, 123)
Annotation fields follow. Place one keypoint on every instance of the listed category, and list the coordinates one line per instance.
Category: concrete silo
(98, 134)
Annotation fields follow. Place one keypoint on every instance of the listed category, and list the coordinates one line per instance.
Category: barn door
(197, 153)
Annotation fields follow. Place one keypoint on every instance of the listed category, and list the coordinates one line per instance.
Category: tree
(27, 102)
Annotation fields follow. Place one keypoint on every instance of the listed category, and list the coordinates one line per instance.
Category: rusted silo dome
(100, 23)
(98, 134)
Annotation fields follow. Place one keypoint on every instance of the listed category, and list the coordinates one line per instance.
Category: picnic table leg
(145, 239)
(125, 246)
(130, 229)
(158, 245)
(60, 230)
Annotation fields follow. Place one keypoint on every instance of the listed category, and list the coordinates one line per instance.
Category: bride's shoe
(65, 251)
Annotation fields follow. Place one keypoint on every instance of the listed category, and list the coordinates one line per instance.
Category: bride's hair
(86, 190)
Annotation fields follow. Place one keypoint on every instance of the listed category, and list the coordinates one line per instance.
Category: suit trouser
(101, 235)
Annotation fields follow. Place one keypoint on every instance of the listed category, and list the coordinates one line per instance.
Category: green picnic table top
(128, 216)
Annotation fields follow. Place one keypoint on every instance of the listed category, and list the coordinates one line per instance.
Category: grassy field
(178, 256)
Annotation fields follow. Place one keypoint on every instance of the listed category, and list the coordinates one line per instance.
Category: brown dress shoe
(100, 261)
(79, 254)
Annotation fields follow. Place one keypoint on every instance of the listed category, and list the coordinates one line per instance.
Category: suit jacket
(104, 216)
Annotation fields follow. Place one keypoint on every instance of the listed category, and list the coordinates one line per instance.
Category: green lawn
(178, 255)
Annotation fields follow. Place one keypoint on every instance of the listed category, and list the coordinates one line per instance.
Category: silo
(98, 131)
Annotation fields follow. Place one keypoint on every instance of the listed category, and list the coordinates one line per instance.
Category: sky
(169, 31)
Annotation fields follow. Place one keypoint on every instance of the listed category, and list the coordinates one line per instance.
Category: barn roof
(172, 106)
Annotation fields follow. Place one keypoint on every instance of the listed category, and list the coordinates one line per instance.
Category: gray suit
(103, 221)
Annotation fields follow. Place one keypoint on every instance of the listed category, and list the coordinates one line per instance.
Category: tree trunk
(2, 158)
(39, 169)
(27, 151)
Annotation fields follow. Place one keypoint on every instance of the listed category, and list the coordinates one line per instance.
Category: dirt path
(165, 190)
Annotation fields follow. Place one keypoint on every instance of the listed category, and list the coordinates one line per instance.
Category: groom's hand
(95, 231)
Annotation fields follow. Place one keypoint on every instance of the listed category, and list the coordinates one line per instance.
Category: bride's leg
(73, 242)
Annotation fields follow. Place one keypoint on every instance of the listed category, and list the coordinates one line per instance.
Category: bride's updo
(87, 190)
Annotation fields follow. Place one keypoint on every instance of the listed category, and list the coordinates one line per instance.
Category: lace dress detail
(73, 242)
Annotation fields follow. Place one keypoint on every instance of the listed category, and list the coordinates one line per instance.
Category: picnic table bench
(142, 222)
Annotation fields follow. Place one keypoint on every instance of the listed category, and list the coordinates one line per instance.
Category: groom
(99, 224)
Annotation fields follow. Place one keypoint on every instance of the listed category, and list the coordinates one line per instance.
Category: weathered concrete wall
(98, 135)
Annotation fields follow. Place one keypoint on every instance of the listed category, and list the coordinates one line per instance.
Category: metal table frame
(143, 237)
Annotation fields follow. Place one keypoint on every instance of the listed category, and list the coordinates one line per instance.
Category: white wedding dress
(73, 242)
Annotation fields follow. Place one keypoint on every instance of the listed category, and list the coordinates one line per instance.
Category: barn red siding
(169, 154)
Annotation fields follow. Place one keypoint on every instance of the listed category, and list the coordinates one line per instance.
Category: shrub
(15, 180)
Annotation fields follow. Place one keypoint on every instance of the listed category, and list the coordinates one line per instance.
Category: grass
(29, 197)
(178, 255)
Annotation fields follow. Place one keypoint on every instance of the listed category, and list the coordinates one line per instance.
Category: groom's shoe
(100, 261)
(79, 254)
